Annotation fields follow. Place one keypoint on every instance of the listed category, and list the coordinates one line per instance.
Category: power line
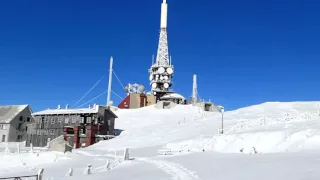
(117, 95)
(118, 79)
(89, 91)
(93, 99)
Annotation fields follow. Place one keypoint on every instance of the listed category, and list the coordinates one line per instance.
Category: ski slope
(269, 127)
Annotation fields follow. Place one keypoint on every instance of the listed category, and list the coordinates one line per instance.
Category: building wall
(151, 100)
(16, 131)
(49, 127)
(134, 101)
(125, 104)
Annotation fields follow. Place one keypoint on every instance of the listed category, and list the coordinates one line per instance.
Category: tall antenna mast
(194, 89)
(110, 82)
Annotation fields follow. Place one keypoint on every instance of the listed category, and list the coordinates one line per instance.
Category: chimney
(67, 106)
(59, 106)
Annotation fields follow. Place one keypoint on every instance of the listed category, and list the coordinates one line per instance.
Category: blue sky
(244, 52)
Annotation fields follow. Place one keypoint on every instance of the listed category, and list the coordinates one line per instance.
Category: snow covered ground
(286, 137)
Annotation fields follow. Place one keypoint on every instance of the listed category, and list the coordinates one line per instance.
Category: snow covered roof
(68, 111)
(7, 113)
(93, 110)
(172, 96)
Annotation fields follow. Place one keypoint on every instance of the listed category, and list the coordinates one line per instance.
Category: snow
(285, 136)
(7, 113)
(172, 96)
(68, 111)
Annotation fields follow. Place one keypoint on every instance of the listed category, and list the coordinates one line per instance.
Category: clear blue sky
(244, 52)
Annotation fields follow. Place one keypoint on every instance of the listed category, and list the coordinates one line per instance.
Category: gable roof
(8, 113)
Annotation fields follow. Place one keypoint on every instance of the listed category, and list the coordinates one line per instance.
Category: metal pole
(110, 82)
(222, 124)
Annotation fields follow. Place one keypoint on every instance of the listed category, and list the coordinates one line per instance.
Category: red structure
(125, 104)
(91, 135)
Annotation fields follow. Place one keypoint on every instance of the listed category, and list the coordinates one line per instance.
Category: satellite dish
(161, 70)
(126, 89)
(166, 85)
(165, 77)
(161, 77)
(169, 70)
(150, 77)
(141, 88)
(154, 85)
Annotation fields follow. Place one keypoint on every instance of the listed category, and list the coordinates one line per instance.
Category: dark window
(26, 128)
(3, 138)
(52, 120)
(19, 138)
(19, 126)
(28, 119)
(21, 118)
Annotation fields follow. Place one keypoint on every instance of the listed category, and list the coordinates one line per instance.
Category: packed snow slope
(268, 127)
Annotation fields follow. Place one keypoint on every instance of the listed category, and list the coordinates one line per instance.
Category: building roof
(67, 111)
(93, 110)
(8, 113)
(172, 96)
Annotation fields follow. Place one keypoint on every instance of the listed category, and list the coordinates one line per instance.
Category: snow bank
(263, 142)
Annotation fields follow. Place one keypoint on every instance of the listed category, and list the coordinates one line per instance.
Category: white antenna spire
(110, 82)
(194, 89)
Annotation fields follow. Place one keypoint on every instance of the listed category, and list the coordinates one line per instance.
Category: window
(19, 127)
(52, 120)
(45, 132)
(109, 122)
(46, 120)
(88, 119)
(19, 138)
(82, 119)
(66, 120)
(59, 119)
(1, 126)
(21, 118)
(28, 119)
(52, 132)
(74, 119)
(26, 128)
(3, 138)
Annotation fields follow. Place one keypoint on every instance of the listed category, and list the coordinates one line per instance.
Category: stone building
(50, 124)
(13, 122)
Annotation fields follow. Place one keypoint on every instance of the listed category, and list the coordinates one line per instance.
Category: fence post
(108, 164)
(18, 148)
(31, 148)
(70, 172)
(40, 174)
(126, 154)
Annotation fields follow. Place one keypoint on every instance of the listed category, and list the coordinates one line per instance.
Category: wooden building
(50, 124)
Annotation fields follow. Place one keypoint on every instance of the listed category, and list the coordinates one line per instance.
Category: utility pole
(110, 82)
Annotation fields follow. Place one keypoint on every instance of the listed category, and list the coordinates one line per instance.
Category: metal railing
(37, 176)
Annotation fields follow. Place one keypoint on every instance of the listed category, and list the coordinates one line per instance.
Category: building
(136, 100)
(13, 123)
(76, 125)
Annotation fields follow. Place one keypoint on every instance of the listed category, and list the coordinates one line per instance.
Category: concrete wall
(165, 105)
(151, 100)
(134, 101)
(17, 127)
